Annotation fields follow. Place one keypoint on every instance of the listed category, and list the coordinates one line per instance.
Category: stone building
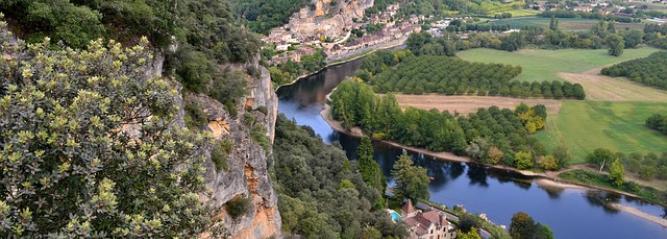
(426, 223)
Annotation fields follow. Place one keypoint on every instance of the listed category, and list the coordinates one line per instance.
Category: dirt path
(603, 88)
(470, 104)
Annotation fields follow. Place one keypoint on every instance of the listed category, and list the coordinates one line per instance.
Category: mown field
(584, 126)
(541, 65)
(566, 24)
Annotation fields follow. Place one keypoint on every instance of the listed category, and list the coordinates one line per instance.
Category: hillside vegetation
(651, 70)
(321, 192)
(263, 15)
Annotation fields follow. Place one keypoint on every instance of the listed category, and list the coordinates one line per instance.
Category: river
(571, 213)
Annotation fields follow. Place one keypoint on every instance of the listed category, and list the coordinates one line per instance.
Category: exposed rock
(328, 19)
(247, 173)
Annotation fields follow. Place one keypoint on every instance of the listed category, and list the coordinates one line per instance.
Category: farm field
(541, 65)
(470, 104)
(566, 24)
(603, 88)
(583, 126)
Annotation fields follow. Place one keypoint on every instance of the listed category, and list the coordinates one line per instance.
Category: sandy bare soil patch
(470, 104)
(603, 88)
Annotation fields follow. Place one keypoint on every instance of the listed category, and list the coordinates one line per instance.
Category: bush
(195, 117)
(238, 206)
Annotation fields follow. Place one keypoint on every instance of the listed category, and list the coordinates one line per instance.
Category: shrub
(238, 206)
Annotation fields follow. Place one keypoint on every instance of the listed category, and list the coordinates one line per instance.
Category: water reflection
(570, 213)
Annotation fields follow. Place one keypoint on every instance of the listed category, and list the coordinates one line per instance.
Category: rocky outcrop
(323, 19)
(247, 171)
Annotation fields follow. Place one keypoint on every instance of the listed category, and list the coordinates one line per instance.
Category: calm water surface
(571, 213)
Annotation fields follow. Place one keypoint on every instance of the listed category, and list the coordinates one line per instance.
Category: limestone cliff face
(247, 173)
(323, 18)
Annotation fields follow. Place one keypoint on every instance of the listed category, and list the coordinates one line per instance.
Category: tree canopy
(411, 181)
(650, 70)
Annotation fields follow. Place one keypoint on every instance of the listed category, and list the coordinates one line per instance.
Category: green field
(540, 65)
(584, 126)
(566, 24)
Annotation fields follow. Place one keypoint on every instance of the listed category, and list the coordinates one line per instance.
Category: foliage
(411, 181)
(219, 154)
(477, 135)
(650, 70)
(588, 177)
(616, 172)
(289, 71)
(195, 117)
(453, 76)
(312, 203)
(523, 160)
(369, 169)
(657, 122)
(73, 125)
(263, 15)
(203, 31)
(238, 206)
(471, 234)
(616, 45)
(524, 227)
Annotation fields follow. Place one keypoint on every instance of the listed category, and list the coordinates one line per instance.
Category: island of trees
(657, 122)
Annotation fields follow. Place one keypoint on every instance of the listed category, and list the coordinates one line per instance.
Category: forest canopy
(321, 193)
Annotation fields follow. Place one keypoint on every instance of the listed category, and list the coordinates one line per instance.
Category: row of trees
(490, 136)
(601, 35)
(650, 70)
(453, 76)
(657, 122)
(321, 193)
(586, 15)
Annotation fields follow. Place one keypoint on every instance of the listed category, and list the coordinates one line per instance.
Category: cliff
(322, 19)
(246, 174)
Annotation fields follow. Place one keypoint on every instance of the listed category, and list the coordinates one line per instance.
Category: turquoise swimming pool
(394, 216)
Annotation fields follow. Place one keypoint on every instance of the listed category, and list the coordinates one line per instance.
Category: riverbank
(543, 179)
(344, 60)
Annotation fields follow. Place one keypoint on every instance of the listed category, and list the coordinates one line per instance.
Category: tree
(616, 45)
(543, 232)
(495, 155)
(472, 234)
(548, 162)
(553, 24)
(601, 157)
(616, 172)
(74, 124)
(562, 155)
(411, 181)
(523, 160)
(369, 169)
(522, 226)
(633, 38)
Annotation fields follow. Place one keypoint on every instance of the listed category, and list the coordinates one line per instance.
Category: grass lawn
(566, 24)
(584, 126)
(539, 65)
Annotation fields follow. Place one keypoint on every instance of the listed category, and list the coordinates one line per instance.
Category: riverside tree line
(491, 136)
(389, 72)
